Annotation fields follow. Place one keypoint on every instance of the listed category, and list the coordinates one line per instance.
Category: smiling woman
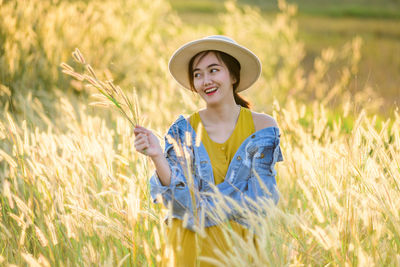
(233, 158)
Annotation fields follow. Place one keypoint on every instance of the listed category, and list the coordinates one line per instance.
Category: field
(75, 193)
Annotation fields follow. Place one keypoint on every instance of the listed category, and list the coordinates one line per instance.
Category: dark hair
(233, 67)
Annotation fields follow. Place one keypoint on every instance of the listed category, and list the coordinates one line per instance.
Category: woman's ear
(234, 80)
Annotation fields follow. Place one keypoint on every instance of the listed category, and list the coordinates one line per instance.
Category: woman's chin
(212, 101)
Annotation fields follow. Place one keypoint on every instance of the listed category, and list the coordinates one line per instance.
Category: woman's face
(211, 78)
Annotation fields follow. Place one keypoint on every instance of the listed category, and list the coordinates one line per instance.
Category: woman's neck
(223, 113)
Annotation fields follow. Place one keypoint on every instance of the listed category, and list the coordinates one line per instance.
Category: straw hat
(250, 65)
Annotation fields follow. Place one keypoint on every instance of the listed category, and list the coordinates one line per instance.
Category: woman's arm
(147, 143)
(169, 180)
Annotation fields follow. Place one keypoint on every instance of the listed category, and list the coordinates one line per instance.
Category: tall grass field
(74, 192)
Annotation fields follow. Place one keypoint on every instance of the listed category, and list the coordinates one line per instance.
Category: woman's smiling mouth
(211, 91)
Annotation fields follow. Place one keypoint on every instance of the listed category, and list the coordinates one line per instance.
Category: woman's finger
(140, 141)
(141, 136)
(139, 129)
(141, 147)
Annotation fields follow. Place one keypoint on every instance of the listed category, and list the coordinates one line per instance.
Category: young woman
(234, 160)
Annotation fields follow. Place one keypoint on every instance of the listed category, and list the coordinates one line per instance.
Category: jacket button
(253, 136)
(262, 155)
(239, 158)
(203, 162)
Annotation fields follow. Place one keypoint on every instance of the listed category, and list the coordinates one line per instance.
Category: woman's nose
(207, 79)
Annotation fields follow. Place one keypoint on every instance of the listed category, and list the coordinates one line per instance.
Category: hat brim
(250, 64)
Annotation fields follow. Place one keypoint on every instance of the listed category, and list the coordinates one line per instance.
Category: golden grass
(110, 94)
(74, 191)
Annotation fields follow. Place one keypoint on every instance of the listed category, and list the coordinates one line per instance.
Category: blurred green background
(327, 23)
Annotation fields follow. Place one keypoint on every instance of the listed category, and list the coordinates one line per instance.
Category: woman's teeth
(212, 90)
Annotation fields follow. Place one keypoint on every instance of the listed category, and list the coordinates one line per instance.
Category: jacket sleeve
(261, 185)
(262, 182)
(176, 195)
(256, 184)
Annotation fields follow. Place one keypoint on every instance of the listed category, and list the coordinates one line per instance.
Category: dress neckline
(233, 131)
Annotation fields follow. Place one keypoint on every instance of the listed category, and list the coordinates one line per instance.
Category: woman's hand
(146, 142)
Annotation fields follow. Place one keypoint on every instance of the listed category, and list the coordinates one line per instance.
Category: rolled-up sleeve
(262, 182)
(176, 195)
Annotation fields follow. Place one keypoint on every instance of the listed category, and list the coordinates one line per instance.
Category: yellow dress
(185, 244)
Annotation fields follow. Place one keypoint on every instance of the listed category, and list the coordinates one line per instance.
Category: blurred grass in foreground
(74, 191)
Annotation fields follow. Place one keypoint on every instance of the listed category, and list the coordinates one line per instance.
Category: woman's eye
(196, 75)
(213, 70)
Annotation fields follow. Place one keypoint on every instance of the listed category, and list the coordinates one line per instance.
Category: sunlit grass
(75, 192)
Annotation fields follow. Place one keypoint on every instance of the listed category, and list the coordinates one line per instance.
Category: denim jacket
(192, 195)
